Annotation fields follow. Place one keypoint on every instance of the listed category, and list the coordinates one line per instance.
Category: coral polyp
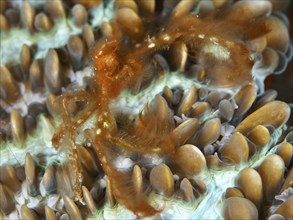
(144, 109)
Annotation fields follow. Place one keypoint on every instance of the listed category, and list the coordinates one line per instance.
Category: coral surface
(156, 109)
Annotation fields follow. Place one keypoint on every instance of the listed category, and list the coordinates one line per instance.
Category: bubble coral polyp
(158, 111)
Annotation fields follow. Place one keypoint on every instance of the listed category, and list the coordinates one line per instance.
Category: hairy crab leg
(119, 181)
(58, 138)
(168, 148)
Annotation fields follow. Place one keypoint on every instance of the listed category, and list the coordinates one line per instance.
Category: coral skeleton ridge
(152, 109)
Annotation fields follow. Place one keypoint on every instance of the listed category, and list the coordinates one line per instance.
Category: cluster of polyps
(170, 115)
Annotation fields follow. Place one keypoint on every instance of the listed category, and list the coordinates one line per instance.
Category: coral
(134, 109)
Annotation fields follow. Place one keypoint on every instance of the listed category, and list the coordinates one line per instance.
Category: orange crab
(118, 66)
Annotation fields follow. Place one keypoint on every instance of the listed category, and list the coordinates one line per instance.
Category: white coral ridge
(15, 155)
